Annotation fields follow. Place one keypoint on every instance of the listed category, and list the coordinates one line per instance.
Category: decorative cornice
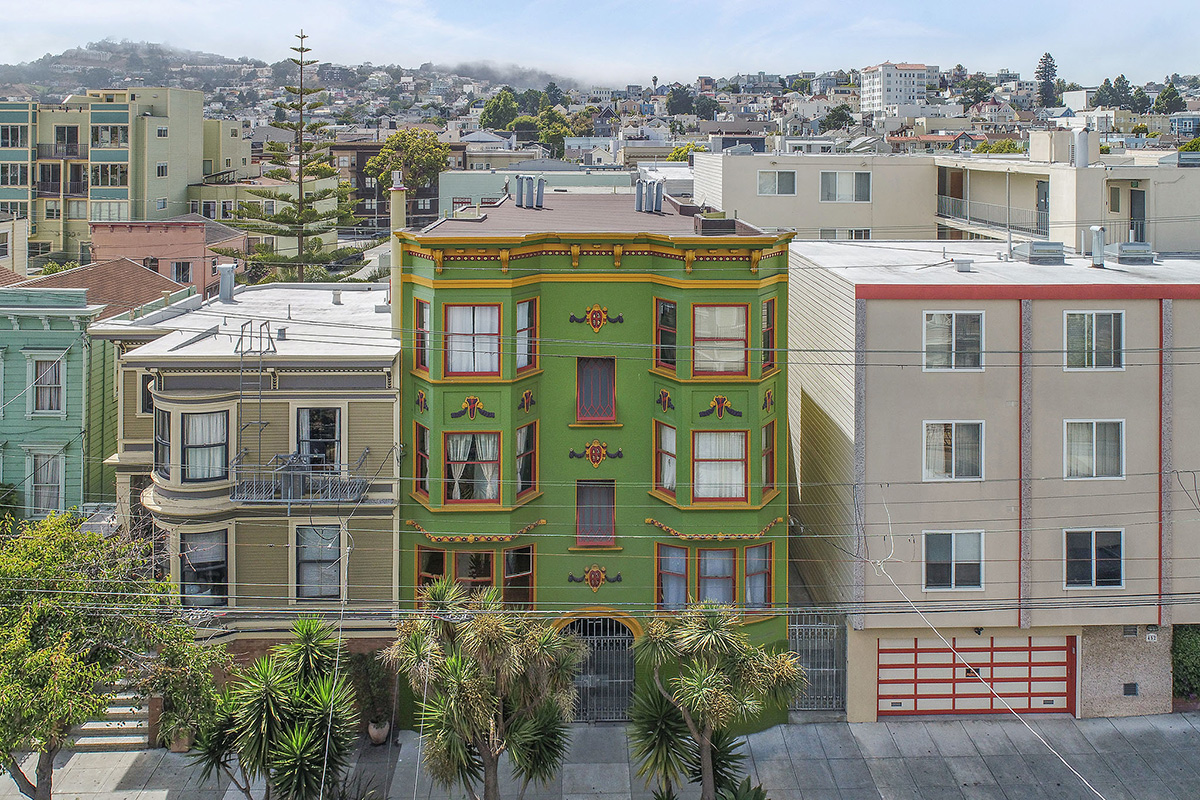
(472, 538)
(718, 536)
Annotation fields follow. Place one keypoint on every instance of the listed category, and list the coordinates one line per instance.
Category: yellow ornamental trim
(713, 537)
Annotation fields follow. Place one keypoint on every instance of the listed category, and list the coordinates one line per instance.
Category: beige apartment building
(1056, 193)
(1006, 447)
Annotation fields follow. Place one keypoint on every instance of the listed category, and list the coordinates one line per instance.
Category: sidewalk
(997, 758)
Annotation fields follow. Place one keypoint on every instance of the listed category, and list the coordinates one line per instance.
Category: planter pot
(378, 731)
(182, 744)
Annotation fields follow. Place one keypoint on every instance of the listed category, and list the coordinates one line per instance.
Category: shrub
(1185, 660)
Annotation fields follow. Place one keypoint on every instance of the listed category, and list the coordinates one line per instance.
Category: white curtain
(472, 338)
(522, 443)
(716, 575)
(720, 464)
(1079, 450)
(47, 483)
(49, 386)
(304, 431)
(758, 574)
(717, 323)
(968, 450)
(666, 466)
(203, 568)
(938, 450)
(458, 449)
(1108, 449)
(1079, 350)
(487, 451)
(204, 439)
(318, 561)
(937, 340)
(525, 322)
(674, 586)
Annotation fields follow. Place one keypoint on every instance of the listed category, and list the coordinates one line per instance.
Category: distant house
(181, 248)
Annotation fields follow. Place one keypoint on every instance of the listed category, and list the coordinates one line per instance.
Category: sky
(614, 42)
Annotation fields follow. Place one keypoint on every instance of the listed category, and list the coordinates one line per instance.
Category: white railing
(992, 215)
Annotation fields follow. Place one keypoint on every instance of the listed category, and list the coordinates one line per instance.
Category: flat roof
(567, 213)
(316, 327)
(928, 263)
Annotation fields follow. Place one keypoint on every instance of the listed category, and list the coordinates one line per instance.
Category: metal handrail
(293, 478)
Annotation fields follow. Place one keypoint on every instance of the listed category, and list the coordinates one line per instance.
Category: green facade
(44, 447)
(616, 282)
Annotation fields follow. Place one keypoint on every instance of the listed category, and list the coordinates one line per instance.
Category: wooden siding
(371, 425)
(821, 392)
(369, 571)
(276, 433)
(261, 565)
(134, 428)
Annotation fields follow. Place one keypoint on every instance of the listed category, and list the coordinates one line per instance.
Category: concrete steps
(125, 726)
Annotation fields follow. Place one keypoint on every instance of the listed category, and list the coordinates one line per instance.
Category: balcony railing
(67, 151)
(55, 188)
(991, 215)
(293, 478)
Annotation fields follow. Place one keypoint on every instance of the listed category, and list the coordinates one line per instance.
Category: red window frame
(530, 451)
(465, 555)
(603, 406)
(769, 588)
(530, 330)
(745, 468)
(605, 531)
(660, 329)
(421, 334)
(768, 334)
(698, 342)
(448, 481)
(659, 451)
(731, 579)
(420, 459)
(768, 456)
(659, 572)
(446, 337)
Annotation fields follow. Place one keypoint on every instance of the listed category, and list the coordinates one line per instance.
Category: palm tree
(722, 678)
(491, 682)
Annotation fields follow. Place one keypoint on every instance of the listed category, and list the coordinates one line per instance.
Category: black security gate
(820, 641)
(605, 683)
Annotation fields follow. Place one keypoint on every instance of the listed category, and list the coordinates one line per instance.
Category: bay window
(715, 571)
(719, 340)
(526, 458)
(473, 569)
(205, 446)
(421, 460)
(719, 465)
(518, 576)
(666, 326)
(768, 334)
(671, 577)
(473, 467)
(758, 577)
(526, 334)
(664, 458)
(473, 340)
(421, 331)
(203, 568)
(431, 565)
(768, 456)
(162, 444)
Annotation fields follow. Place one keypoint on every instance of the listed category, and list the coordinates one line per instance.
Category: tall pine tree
(301, 162)
(1045, 74)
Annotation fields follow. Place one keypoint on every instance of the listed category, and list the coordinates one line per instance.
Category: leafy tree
(79, 613)
(1000, 146)
(53, 267)
(1139, 101)
(801, 85)
(1104, 95)
(1169, 101)
(1191, 147)
(530, 101)
(706, 107)
(582, 123)
(296, 213)
(976, 90)
(839, 117)
(553, 127)
(526, 128)
(722, 678)
(682, 152)
(10, 503)
(1122, 93)
(1140, 129)
(494, 682)
(289, 718)
(499, 112)
(416, 152)
(1045, 74)
(554, 95)
(679, 101)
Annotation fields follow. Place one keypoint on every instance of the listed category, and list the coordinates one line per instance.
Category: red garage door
(922, 676)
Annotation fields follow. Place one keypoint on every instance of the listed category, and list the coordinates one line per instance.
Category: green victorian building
(593, 402)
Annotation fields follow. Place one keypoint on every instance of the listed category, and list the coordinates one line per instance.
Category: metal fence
(820, 640)
(605, 683)
(991, 215)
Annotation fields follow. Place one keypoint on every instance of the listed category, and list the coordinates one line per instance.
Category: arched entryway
(605, 683)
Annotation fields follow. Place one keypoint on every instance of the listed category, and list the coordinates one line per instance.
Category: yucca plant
(743, 791)
(659, 739)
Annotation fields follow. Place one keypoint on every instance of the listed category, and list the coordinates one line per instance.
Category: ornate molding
(422, 400)
(664, 400)
(768, 403)
(595, 577)
(596, 317)
(472, 538)
(722, 406)
(471, 406)
(718, 536)
(526, 402)
(595, 452)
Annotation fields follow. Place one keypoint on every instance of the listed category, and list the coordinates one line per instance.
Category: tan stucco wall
(1108, 660)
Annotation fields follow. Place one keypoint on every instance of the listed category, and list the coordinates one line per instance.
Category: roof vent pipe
(963, 264)
(529, 190)
(541, 191)
(1081, 147)
(1098, 246)
(520, 191)
(658, 196)
(637, 195)
(337, 297)
(648, 196)
(226, 288)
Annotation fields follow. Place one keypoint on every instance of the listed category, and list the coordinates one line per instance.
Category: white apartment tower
(887, 84)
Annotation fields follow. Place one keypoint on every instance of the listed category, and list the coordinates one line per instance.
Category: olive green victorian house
(575, 400)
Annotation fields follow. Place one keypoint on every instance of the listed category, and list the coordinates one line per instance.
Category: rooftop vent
(1043, 253)
(1132, 253)
(1191, 159)
(709, 226)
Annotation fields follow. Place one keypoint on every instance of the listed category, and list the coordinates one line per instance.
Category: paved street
(1137, 758)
